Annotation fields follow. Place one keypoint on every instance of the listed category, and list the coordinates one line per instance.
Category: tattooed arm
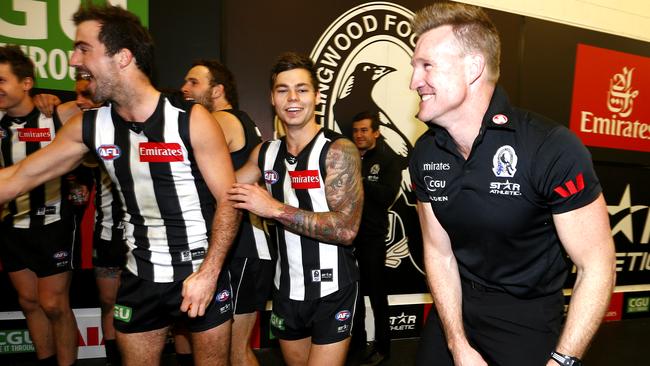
(344, 192)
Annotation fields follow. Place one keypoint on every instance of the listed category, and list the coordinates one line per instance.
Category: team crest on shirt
(271, 176)
(504, 162)
(322, 275)
(109, 152)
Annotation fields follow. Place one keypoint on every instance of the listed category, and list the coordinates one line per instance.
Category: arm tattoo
(344, 192)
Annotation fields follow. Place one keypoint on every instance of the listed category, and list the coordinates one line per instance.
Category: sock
(49, 361)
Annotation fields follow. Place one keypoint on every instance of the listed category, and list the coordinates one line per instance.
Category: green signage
(15, 341)
(45, 31)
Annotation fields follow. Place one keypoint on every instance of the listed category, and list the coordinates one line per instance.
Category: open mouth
(84, 75)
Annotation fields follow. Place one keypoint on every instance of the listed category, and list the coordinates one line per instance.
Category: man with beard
(502, 194)
(314, 194)
(211, 84)
(170, 164)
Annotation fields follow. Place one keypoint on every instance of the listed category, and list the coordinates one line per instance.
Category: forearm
(589, 302)
(328, 227)
(445, 286)
(224, 230)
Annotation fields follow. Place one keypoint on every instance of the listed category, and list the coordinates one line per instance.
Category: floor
(617, 343)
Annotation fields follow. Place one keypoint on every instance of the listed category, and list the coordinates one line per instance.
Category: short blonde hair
(472, 27)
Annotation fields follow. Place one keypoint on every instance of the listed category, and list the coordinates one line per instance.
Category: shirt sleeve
(564, 172)
(417, 182)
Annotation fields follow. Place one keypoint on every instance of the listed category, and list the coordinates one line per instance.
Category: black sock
(112, 353)
(49, 361)
(184, 359)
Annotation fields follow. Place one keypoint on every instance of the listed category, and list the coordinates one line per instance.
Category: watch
(565, 360)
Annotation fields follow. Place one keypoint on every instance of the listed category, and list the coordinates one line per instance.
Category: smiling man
(315, 195)
(170, 164)
(502, 194)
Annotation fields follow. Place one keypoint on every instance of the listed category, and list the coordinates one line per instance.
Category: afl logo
(109, 152)
(60, 255)
(271, 176)
(223, 296)
(343, 315)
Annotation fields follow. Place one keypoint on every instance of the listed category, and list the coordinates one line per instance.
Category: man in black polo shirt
(502, 194)
(381, 180)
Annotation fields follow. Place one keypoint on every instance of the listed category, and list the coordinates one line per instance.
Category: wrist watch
(565, 360)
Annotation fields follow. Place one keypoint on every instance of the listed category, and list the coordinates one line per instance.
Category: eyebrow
(81, 43)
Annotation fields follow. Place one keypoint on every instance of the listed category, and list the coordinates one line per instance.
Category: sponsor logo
(271, 176)
(435, 166)
(638, 304)
(49, 210)
(305, 179)
(15, 341)
(277, 322)
(91, 338)
(224, 309)
(615, 309)
(342, 328)
(343, 315)
(322, 275)
(60, 255)
(438, 198)
(571, 187)
(375, 169)
(505, 188)
(109, 152)
(499, 119)
(608, 108)
(403, 322)
(122, 313)
(624, 225)
(186, 256)
(223, 296)
(433, 184)
(34, 134)
(160, 152)
(194, 254)
(3, 133)
(504, 162)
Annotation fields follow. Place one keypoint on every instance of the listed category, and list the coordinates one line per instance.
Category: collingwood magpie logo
(363, 64)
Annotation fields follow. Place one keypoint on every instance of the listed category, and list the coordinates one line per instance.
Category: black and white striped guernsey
(108, 207)
(167, 204)
(20, 137)
(251, 240)
(306, 269)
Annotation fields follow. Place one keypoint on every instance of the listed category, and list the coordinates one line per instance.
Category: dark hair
(372, 116)
(21, 65)
(221, 75)
(120, 29)
(472, 27)
(292, 60)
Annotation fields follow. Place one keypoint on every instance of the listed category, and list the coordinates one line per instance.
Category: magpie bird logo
(363, 64)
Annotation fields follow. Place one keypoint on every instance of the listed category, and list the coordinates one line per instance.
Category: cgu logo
(92, 337)
(433, 184)
(109, 152)
(15, 337)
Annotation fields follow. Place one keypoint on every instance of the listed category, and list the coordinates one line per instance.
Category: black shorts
(326, 320)
(142, 305)
(251, 281)
(46, 251)
(109, 253)
(504, 329)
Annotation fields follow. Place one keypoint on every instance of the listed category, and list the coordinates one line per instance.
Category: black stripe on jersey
(205, 195)
(36, 195)
(160, 172)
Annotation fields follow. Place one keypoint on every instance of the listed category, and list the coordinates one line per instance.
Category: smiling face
(294, 98)
(441, 75)
(364, 137)
(12, 90)
(198, 86)
(93, 64)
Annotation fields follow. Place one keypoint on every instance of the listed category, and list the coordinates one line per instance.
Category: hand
(198, 292)
(468, 356)
(46, 103)
(255, 199)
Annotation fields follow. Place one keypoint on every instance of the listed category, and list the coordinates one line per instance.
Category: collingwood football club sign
(363, 64)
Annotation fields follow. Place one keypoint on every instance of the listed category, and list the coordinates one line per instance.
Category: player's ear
(475, 66)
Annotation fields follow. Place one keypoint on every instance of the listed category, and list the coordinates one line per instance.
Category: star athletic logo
(363, 64)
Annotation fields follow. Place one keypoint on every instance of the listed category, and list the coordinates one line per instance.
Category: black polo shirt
(497, 205)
